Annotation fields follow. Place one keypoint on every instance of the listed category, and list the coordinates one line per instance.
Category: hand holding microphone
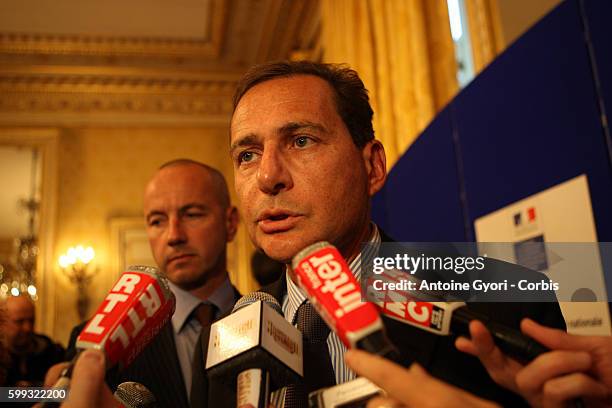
(426, 311)
(332, 289)
(409, 387)
(576, 367)
(88, 389)
(134, 311)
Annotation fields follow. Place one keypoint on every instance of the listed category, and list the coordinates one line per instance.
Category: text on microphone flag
(136, 302)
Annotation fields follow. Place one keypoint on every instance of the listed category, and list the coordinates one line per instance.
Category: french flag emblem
(531, 216)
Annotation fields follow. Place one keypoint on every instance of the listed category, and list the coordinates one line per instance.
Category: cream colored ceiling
(139, 61)
(119, 18)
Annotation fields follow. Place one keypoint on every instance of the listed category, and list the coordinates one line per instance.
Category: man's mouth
(275, 221)
(179, 258)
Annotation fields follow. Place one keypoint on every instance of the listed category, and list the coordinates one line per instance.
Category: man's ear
(376, 165)
(232, 218)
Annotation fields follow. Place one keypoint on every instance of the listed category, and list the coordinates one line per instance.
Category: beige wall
(102, 173)
(517, 16)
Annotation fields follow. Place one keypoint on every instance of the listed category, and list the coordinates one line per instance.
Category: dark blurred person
(4, 354)
(31, 354)
(265, 269)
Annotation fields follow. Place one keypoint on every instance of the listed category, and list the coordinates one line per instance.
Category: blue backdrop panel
(598, 16)
(420, 201)
(531, 121)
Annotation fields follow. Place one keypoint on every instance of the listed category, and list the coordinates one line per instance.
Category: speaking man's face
(299, 176)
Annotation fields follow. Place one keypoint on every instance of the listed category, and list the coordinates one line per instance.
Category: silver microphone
(135, 395)
(256, 297)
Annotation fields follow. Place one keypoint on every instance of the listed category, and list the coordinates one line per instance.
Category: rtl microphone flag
(133, 312)
(131, 315)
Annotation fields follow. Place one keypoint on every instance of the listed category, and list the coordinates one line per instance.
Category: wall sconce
(75, 264)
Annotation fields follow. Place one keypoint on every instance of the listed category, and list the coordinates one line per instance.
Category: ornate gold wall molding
(61, 92)
(77, 44)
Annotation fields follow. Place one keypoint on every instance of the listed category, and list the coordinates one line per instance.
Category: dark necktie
(318, 370)
(204, 313)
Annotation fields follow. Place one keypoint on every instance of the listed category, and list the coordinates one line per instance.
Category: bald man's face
(19, 325)
(188, 225)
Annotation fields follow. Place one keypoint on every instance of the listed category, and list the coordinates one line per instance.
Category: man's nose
(27, 326)
(273, 174)
(176, 232)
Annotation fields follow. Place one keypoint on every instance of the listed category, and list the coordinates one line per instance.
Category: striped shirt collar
(296, 296)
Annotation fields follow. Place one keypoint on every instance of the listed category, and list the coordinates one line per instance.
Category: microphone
(131, 394)
(255, 350)
(324, 275)
(133, 312)
(446, 318)
(351, 394)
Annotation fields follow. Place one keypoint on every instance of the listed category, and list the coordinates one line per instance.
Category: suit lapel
(158, 368)
(237, 294)
(277, 289)
(165, 367)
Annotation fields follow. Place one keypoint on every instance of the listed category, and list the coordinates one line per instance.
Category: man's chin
(186, 279)
(282, 249)
(24, 343)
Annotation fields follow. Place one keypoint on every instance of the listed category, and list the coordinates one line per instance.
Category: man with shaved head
(31, 354)
(189, 222)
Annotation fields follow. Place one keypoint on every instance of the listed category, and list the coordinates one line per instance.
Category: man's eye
(154, 223)
(193, 215)
(245, 157)
(302, 141)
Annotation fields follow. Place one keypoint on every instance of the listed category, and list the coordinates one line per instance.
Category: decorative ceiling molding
(83, 79)
(112, 84)
(50, 44)
(120, 103)
(121, 94)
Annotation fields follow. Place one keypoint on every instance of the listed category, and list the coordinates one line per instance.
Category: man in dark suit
(189, 222)
(306, 164)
